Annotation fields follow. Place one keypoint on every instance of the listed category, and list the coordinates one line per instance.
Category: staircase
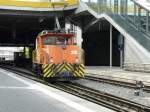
(132, 19)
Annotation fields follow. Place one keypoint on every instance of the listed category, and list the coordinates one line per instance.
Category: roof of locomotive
(47, 33)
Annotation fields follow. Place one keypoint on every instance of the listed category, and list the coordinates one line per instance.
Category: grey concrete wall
(136, 58)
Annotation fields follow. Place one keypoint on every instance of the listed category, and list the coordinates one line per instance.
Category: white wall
(8, 52)
(136, 58)
(78, 33)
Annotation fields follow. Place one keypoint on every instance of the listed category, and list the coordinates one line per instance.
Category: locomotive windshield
(54, 40)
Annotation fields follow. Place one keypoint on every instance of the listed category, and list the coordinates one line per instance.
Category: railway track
(110, 101)
(115, 82)
(113, 102)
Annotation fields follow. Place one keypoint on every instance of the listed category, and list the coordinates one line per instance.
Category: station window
(119, 7)
(116, 6)
(130, 11)
(123, 7)
(93, 4)
(112, 5)
(136, 19)
(86, 0)
(53, 40)
(108, 4)
(148, 23)
(143, 19)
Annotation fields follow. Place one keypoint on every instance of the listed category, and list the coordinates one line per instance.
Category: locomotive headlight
(64, 47)
(77, 54)
(64, 61)
(74, 52)
(51, 61)
(77, 60)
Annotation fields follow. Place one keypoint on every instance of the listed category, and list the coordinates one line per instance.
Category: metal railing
(136, 14)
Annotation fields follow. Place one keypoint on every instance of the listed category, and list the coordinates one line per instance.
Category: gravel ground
(117, 91)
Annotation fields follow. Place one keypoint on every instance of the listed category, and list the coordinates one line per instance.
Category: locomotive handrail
(54, 31)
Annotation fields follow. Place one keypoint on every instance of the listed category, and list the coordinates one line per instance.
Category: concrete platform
(19, 94)
(117, 73)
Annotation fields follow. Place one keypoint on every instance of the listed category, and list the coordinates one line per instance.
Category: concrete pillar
(79, 36)
(121, 48)
(110, 45)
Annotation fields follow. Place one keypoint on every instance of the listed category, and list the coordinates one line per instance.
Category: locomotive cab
(57, 56)
(57, 40)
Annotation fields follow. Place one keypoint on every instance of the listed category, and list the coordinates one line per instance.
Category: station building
(111, 32)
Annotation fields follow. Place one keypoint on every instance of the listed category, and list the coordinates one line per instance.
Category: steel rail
(116, 82)
(90, 97)
(105, 99)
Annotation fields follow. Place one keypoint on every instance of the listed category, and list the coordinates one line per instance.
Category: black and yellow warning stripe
(47, 70)
(50, 70)
(79, 70)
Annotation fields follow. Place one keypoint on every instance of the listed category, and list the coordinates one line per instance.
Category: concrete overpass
(22, 20)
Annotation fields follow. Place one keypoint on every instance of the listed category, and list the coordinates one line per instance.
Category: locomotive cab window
(53, 40)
